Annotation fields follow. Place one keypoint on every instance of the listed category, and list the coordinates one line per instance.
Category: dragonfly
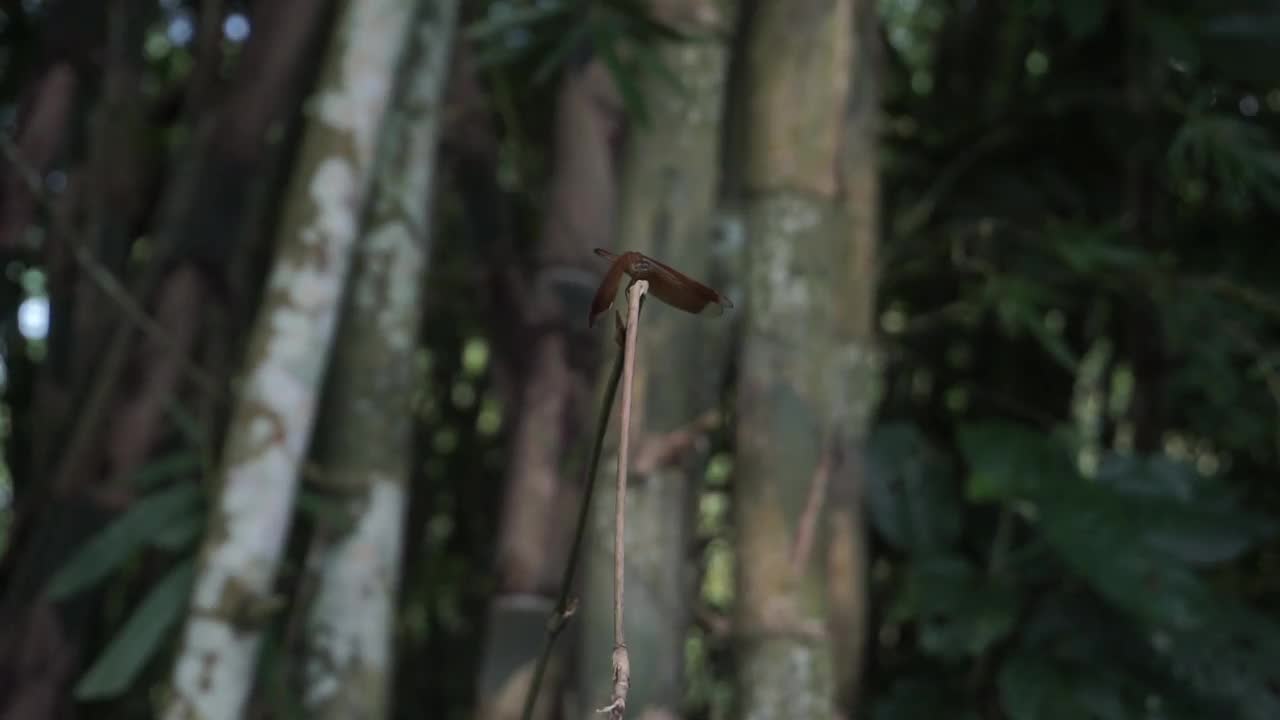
(665, 283)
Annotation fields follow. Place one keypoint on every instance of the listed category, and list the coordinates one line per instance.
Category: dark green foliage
(163, 518)
(959, 611)
(1074, 490)
(1117, 612)
(142, 635)
(550, 36)
(911, 504)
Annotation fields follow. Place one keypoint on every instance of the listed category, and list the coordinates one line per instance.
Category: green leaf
(571, 42)
(1136, 550)
(1084, 17)
(1052, 343)
(960, 611)
(179, 536)
(645, 26)
(1098, 536)
(913, 499)
(1189, 672)
(650, 60)
(1157, 476)
(1219, 674)
(1180, 513)
(1089, 250)
(1237, 155)
(1007, 461)
(147, 518)
(1033, 688)
(518, 18)
(116, 669)
(1200, 535)
(624, 75)
(1021, 303)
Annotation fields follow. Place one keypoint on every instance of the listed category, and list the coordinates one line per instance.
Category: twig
(807, 527)
(714, 623)
(621, 660)
(565, 605)
(666, 450)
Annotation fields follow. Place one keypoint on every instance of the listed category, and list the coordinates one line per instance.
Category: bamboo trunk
(807, 374)
(272, 420)
(364, 439)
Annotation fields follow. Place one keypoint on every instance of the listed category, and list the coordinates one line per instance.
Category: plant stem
(560, 615)
(620, 660)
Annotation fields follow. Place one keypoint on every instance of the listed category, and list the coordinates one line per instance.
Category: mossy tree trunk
(364, 438)
(274, 412)
(667, 206)
(807, 381)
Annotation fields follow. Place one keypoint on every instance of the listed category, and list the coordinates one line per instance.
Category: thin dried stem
(621, 661)
(566, 605)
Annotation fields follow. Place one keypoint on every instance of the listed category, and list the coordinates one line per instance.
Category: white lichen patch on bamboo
(255, 519)
(358, 574)
(781, 289)
(283, 380)
(702, 70)
(854, 381)
(201, 675)
(366, 75)
(335, 194)
(790, 675)
(259, 431)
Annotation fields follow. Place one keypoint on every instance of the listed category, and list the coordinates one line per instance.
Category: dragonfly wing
(681, 291)
(608, 289)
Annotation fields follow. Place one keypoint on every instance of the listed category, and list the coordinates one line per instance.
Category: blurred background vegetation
(1060, 213)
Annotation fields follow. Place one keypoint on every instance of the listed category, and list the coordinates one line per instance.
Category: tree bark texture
(808, 373)
(667, 207)
(288, 353)
(364, 441)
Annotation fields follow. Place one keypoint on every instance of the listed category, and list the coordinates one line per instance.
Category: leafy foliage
(552, 35)
(142, 635)
(1127, 550)
(910, 507)
(1071, 485)
(165, 518)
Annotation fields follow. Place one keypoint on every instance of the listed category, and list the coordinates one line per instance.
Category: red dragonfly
(665, 283)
